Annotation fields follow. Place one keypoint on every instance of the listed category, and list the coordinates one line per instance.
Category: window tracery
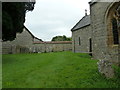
(114, 25)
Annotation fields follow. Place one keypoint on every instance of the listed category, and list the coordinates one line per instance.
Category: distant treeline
(61, 38)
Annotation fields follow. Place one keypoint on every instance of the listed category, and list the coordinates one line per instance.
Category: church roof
(85, 21)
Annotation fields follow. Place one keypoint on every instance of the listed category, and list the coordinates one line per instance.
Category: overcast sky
(55, 17)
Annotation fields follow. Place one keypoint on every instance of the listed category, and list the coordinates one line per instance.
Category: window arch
(112, 24)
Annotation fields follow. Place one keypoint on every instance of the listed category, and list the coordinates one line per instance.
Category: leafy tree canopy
(61, 38)
(13, 18)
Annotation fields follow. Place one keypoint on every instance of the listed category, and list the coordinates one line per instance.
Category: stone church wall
(20, 44)
(101, 50)
(81, 39)
(24, 39)
(100, 31)
(107, 54)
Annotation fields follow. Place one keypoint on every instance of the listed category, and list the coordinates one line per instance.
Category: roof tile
(82, 23)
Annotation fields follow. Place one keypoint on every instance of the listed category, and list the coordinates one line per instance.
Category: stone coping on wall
(53, 42)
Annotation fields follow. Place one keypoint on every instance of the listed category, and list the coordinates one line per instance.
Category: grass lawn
(53, 70)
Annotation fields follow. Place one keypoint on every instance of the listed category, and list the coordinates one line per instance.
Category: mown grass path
(53, 70)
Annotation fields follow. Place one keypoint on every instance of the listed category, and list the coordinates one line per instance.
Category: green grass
(53, 70)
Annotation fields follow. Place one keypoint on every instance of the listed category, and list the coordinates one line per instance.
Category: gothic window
(113, 24)
(115, 31)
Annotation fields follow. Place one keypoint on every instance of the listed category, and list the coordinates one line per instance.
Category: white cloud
(55, 17)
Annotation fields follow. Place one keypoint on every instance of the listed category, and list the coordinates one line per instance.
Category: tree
(61, 38)
(13, 18)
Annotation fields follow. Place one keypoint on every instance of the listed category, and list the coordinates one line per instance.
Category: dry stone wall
(37, 48)
(27, 43)
(52, 47)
